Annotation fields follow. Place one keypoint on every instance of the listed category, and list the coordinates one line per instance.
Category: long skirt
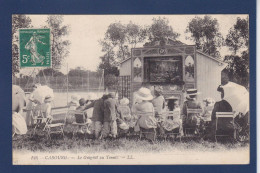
(19, 124)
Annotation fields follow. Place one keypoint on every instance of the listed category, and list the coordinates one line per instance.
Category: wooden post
(82, 82)
(67, 85)
(88, 81)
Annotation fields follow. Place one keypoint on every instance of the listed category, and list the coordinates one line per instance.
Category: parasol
(237, 96)
(41, 92)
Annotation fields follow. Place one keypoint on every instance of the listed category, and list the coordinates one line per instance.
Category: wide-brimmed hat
(48, 98)
(144, 94)
(209, 101)
(124, 101)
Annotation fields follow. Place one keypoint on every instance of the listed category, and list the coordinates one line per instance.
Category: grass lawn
(39, 142)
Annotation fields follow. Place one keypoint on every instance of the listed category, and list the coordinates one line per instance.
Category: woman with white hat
(144, 95)
(145, 109)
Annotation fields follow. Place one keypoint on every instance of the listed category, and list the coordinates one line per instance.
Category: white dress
(19, 124)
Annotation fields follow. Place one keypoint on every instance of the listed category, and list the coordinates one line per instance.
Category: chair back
(194, 111)
(173, 115)
(225, 117)
(139, 113)
(59, 114)
(79, 116)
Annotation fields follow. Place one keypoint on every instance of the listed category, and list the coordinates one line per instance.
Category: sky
(87, 30)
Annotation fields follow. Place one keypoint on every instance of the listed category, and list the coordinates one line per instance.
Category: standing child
(110, 126)
(46, 108)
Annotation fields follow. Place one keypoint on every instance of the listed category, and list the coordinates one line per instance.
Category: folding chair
(55, 124)
(227, 118)
(191, 112)
(80, 122)
(143, 131)
(174, 117)
(39, 120)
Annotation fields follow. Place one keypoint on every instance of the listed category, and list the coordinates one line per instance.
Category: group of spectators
(110, 117)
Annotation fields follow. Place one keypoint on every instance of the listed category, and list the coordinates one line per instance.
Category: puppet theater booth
(175, 68)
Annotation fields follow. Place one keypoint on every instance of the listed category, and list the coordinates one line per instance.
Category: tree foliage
(49, 72)
(238, 35)
(159, 31)
(238, 42)
(59, 49)
(205, 33)
(120, 38)
(18, 21)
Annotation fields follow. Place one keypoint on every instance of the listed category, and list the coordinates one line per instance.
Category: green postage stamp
(35, 48)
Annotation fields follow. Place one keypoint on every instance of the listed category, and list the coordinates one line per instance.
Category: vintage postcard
(130, 89)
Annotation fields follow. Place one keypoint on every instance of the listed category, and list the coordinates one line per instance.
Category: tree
(205, 33)
(159, 32)
(116, 34)
(18, 21)
(49, 72)
(59, 49)
(238, 42)
(119, 38)
(135, 34)
(238, 36)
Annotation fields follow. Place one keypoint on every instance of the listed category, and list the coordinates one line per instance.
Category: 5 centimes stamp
(35, 48)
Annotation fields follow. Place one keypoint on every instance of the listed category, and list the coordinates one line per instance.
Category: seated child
(171, 123)
(81, 107)
(124, 119)
(209, 105)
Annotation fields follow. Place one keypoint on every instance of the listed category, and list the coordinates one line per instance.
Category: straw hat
(124, 101)
(191, 92)
(144, 94)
